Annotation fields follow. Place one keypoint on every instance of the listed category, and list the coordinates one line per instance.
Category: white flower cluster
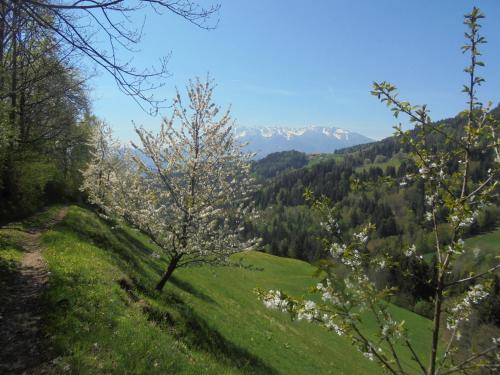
(405, 180)
(431, 170)
(369, 355)
(361, 236)
(411, 251)
(275, 300)
(328, 293)
(349, 255)
(456, 247)
(424, 171)
(308, 311)
(331, 325)
(430, 200)
(391, 328)
(381, 262)
(337, 250)
(331, 224)
(463, 221)
(463, 310)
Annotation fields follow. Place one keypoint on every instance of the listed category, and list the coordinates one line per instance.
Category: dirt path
(22, 345)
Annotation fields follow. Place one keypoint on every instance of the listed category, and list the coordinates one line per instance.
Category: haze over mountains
(311, 139)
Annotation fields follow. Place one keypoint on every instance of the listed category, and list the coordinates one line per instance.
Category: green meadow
(104, 317)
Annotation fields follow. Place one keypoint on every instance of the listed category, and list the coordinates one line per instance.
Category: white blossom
(461, 311)
(369, 355)
(308, 311)
(275, 300)
(411, 250)
(361, 236)
(188, 187)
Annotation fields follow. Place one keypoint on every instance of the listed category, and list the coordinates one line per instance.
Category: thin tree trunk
(3, 14)
(13, 83)
(435, 329)
(170, 270)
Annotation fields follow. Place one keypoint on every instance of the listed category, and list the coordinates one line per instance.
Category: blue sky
(296, 63)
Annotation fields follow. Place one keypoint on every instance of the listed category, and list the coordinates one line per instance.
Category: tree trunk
(3, 15)
(435, 330)
(13, 67)
(170, 270)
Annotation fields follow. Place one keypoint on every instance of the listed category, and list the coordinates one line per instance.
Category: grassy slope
(482, 252)
(206, 321)
(392, 162)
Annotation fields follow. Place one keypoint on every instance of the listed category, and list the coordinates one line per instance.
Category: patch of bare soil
(23, 347)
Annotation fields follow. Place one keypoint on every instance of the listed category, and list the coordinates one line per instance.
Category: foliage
(44, 116)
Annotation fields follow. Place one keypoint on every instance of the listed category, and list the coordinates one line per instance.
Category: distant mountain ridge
(311, 139)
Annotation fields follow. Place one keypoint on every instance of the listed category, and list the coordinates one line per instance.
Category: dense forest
(44, 118)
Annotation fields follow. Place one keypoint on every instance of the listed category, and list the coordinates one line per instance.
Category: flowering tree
(187, 187)
(104, 159)
(349, 296)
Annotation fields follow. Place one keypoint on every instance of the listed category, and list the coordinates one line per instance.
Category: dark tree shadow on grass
(190, 328)
(128, 252)
(179, 319)
(188, 288)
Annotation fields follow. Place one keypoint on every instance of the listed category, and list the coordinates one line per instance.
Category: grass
(32, 222)
(206, 321)
(482, 252)
(392, 162)
(321, 158)
(10, 257)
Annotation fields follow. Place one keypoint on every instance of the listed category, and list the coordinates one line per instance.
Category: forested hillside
(352, 178)
(355, 180)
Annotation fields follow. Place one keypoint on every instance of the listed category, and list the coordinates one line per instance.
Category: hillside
(396, 210)
(104, 318)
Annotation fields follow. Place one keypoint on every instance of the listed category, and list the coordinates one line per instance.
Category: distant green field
(481, 252)
(487, 242)
(207, 321)
(320, 158)
(393, 162)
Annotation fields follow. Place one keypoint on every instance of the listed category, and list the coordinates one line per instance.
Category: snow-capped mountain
(312, 139)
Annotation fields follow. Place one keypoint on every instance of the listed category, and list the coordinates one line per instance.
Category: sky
(296, 63)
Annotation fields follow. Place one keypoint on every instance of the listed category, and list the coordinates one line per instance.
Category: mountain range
(311, 139)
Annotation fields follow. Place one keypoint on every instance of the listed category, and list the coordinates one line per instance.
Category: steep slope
(105, 318)
(313, 139)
